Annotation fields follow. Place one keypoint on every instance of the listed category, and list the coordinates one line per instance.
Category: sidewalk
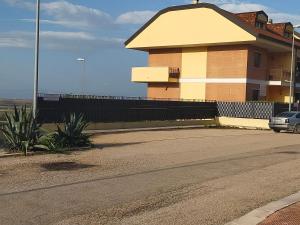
(286, 216)
(283, 212)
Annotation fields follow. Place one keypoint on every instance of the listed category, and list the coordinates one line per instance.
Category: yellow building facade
(201, 52)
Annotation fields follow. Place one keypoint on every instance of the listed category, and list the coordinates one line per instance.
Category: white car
(289, 121)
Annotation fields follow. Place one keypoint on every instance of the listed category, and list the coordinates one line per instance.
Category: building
(202, 52)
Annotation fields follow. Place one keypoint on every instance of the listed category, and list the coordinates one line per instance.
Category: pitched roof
(224, 13)
(250, 17)
(243, 20)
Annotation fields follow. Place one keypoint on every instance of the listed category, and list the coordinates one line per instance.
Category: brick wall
(227, 61)
(163, 90)
(257, 73)
(165, 57)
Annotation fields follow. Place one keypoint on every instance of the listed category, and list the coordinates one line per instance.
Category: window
(260, 25)
(286, 114)
(288, 35)
(298, 69)
(255, 95)
(257, 59)
(298, 116)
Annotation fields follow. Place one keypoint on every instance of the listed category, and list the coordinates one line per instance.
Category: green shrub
(71, 135)
(1, 140)
(49, 140)
(2, 116)
(21, 130)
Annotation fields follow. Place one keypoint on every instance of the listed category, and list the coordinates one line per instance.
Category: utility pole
(36, 61)
(83, 81)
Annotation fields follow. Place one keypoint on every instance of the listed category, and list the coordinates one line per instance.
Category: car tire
(297, 129)
(276, 130)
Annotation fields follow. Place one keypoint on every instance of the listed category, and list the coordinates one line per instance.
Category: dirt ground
(196, 176)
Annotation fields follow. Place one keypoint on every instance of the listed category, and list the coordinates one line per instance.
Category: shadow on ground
(110, 145)
(62, 166)
(289, 152)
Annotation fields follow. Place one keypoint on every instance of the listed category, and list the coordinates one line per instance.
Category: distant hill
(9, 103)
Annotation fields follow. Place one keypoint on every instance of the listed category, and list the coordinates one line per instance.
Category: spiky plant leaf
(71, 135)
(21, 130)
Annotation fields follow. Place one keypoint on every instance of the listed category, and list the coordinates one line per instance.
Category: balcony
(155, 74)
(279, 76)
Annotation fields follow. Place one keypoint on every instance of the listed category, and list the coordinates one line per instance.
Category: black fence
(255, 110)
(53, 108)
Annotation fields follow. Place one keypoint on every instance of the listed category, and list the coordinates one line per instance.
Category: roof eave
(284, 43)
(230, 16)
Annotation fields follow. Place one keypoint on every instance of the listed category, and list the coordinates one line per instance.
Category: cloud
(58, 40)
(67, 14)
(135, 17)
(71, 15)
(284, 17)
(78, 16)
(243, 7)
(16, 40)
(20, 3)
(67, 35)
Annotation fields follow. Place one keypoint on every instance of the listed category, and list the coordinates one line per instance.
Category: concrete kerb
(259, 215)
(243, 122)
(148, 129)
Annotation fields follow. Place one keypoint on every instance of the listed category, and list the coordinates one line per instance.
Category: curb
(147, 129)
(259, 215)
(20, 154)
(17, 154)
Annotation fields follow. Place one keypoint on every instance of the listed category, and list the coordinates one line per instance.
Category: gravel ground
(198, 176)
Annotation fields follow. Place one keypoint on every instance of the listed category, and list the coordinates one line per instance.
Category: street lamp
(36, 61)
(292, 69)
(83, 61)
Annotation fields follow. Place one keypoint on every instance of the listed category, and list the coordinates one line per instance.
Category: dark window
(260, 25)
(255, 95)
(288, 35)
(298, 116)
(257, 59)
(286, 114)
(297, 98)
(298, 69)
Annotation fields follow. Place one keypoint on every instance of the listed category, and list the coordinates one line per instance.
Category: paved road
(198, 176)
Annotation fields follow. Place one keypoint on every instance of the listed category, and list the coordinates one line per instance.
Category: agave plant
(21, 130)
(72, 133)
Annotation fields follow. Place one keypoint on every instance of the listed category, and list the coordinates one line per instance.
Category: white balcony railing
(279, 74)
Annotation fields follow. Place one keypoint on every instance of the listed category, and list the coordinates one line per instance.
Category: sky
(94, 30)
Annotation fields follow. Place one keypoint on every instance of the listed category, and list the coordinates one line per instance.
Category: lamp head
(80, 59)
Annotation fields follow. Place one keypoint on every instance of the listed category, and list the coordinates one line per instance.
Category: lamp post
(292, 69)
(83, 61)
(36, 61)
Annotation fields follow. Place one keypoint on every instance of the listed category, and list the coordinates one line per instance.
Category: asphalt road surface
(197, 176)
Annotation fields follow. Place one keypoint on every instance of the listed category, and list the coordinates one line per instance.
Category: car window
(286, 114)
(298, 116)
